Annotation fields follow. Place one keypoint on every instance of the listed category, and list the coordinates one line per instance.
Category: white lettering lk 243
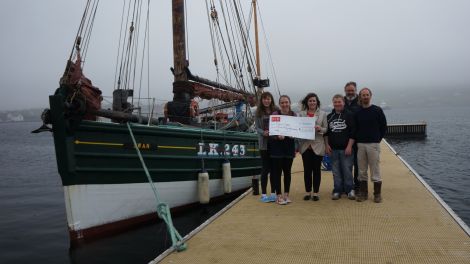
(215, 149)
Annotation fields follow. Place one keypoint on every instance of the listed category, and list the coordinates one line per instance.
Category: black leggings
(266, 168)
(356, 168)
(280, 165)
(312, 169)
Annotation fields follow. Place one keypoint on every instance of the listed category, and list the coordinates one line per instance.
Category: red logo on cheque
(276, 119)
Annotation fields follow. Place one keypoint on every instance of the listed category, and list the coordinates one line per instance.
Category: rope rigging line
(226, 65)
(80, 29)
(136, 47)
(221, 37)
(233, 51)
(248, 44)
(212, 40)
(121, 67)
(130, 53)
(237, 57)
(119, 44)
(248, 52)
(227, 76)
(245, 59)
(214, 16)
(230, 48)
(84, 32)
(148, 50)
(89, 29)
(163, 209)
(242, 34)
(128, 48)
(226, 51)
(146, 44)
(269, 53)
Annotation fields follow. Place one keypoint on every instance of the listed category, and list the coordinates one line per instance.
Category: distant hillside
(27, 115)
(34, 114)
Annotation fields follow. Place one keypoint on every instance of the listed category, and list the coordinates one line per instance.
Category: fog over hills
(394, 98)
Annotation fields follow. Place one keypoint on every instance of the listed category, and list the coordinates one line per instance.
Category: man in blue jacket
(371, 127)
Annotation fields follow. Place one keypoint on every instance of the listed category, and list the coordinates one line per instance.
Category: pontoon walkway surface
(411, 225)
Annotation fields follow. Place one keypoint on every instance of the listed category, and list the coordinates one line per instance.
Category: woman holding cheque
(313, 150)
(282, 151)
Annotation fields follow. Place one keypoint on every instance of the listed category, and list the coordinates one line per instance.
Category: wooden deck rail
(406, 130)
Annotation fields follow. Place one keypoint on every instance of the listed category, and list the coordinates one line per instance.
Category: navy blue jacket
(371, 125)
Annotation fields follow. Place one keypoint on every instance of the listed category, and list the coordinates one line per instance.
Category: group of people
(349, 135)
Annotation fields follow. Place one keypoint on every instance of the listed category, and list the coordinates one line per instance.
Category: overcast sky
(390, 46)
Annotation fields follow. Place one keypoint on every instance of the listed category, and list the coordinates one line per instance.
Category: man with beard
(371, 127)
(351, 104)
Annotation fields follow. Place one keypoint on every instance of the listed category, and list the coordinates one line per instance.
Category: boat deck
(410, 226)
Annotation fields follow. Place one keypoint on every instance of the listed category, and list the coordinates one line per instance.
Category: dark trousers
(279, 166)
(355, 168)
(265, 169)
(312, 170)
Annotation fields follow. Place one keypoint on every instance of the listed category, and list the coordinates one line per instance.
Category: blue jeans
(342, 171)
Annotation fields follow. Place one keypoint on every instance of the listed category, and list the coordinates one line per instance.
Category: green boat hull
(99, 167)
(90, 152)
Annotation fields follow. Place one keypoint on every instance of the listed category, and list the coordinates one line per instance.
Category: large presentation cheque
(292, 126)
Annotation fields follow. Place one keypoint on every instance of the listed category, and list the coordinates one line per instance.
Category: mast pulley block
(261, 83)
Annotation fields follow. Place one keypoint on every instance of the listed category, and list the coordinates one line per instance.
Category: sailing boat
(105, 187)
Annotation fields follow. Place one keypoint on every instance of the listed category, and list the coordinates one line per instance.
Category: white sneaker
(335, 196)
(281, 201)
(351, 195)
(286, 198)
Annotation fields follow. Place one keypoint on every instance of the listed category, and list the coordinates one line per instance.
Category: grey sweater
(262, 124)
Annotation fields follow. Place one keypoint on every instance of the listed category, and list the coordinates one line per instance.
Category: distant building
(384, 105)
(14, 117)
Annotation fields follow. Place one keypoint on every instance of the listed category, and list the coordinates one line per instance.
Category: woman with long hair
(313, 150)
(282, 151)
(265, 108)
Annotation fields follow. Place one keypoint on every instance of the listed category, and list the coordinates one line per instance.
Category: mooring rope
(163, 210)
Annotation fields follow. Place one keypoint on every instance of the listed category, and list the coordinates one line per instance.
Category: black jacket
(353, 105)
(284, 148)
(371, 125)
(341, 128)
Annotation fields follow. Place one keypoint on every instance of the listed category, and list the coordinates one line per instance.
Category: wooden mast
(187, 86)
(258, 82)
(178, 110)
(179, 41)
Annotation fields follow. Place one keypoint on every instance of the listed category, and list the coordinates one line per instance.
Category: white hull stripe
(94, 205)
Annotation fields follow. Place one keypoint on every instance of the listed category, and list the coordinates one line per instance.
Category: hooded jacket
(341, 128)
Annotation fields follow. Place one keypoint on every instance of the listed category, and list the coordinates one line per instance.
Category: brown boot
(377, 192)
(362, 195)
